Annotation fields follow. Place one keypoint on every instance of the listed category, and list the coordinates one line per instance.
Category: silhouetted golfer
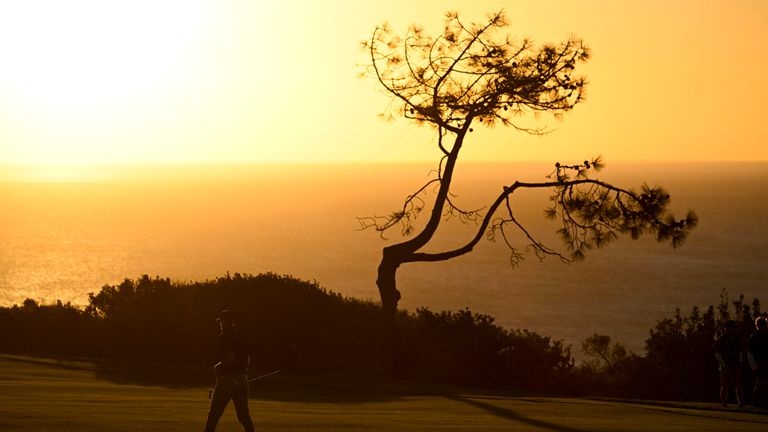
(231, 378)
(729, 354)
(758, 359)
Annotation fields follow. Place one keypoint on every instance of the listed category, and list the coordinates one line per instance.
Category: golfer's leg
(219, 401)
(240, 400)
(757, 393)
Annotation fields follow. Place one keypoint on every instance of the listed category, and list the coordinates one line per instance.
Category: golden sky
(177, 81)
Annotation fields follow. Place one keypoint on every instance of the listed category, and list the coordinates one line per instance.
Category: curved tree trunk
(395, 255)
(387, 284)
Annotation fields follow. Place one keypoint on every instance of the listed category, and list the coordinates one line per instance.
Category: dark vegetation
(292, 325)
(679, 360)
(301, 328)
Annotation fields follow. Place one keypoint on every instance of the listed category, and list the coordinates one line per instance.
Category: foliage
(680, 349)
(679, 361)
(292, 325)
(593, 212)
(466, 348)
(469, 72)
(38, 328)
(299, 327)
(607, 352)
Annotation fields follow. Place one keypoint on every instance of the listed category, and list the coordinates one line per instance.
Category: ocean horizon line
(159, 171)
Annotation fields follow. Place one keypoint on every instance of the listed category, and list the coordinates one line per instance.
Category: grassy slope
(39, 394)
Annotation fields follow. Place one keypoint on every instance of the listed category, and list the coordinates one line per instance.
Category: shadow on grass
(514, 416)
(339, 388)
(668, 408)
(124, 372)
(692, 409)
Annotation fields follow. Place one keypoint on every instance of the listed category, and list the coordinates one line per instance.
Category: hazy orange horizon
(87, 82)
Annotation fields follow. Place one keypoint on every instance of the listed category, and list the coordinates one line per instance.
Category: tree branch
(605, 221)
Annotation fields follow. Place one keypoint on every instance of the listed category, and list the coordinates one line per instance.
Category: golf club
(263, 376)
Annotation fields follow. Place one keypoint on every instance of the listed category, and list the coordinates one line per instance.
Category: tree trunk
(395, 255)
(389, 298)
(388, 285)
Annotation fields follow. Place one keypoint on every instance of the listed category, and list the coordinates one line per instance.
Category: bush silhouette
(293, 325)
(301, 328)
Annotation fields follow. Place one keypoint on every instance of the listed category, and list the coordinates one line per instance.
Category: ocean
(66, 233)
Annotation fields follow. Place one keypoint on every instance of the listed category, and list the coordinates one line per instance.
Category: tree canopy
(468, 73)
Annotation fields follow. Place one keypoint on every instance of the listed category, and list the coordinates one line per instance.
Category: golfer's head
(226, 319)
(761, 323)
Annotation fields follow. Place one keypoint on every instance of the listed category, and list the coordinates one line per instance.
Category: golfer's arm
(752, 361)
(720, 360)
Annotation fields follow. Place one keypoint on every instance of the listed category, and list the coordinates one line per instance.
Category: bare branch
(590, 218)
(412, 206)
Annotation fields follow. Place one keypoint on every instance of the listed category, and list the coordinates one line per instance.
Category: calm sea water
(62, 240)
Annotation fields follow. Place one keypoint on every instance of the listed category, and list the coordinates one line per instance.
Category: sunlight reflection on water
(61, 240)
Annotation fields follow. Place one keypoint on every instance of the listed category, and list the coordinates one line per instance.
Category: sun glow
(86, 54)
(95, 82)
(89, 65)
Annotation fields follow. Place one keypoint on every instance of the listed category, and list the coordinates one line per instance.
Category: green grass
(41, 394)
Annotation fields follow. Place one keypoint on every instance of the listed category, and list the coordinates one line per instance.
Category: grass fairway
(39, 394)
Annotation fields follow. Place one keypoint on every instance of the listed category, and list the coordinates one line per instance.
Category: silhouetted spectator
(730, 357)
(231, 378)
(758, 359)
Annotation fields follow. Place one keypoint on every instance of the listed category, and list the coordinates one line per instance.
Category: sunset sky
(191, 81)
